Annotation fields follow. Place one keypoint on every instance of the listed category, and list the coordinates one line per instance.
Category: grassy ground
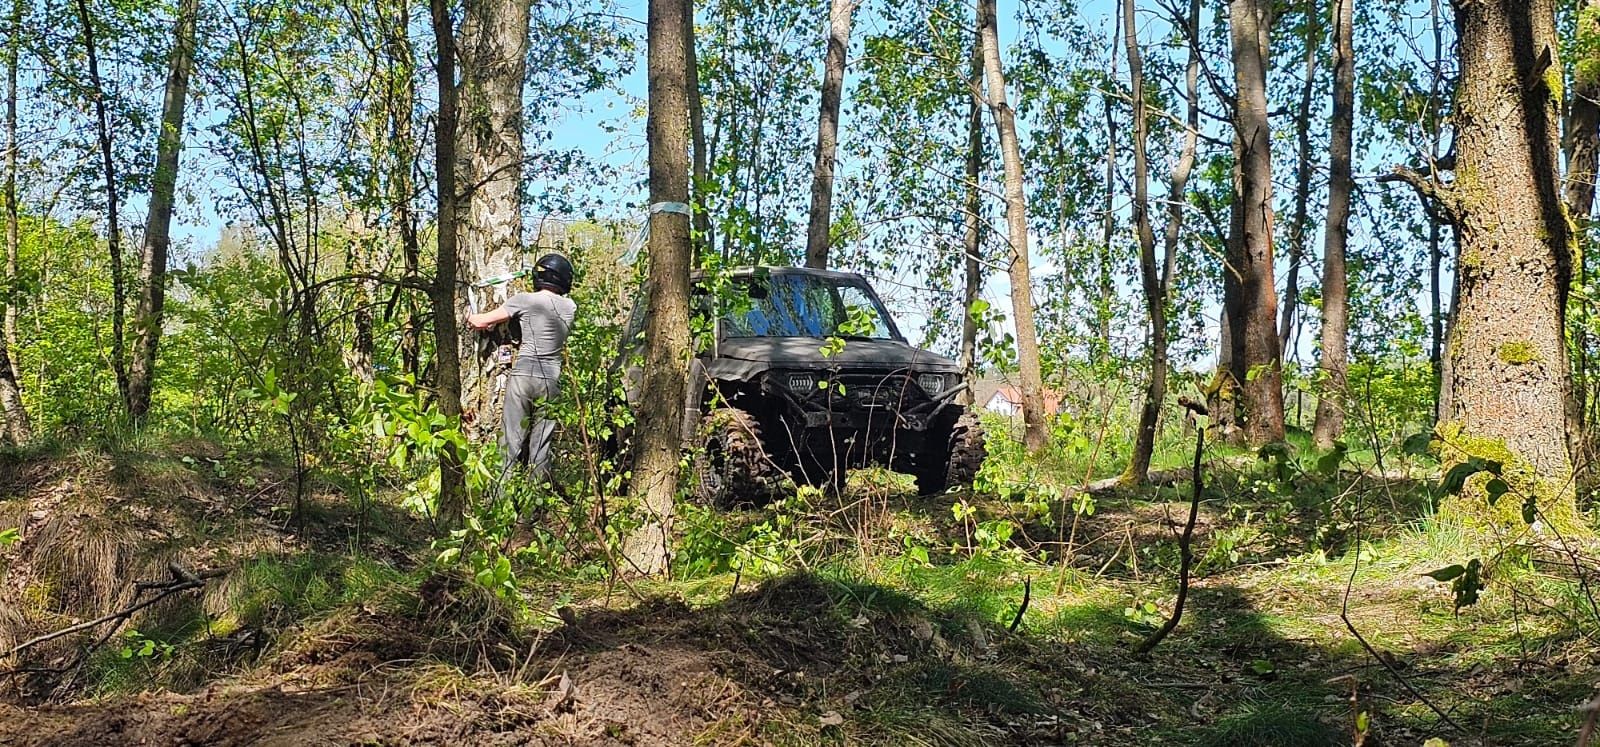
(1007, 616)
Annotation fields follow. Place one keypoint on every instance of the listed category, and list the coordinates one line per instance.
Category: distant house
(1005, 398)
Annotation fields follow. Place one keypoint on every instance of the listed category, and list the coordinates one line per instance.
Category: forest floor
(902, 632)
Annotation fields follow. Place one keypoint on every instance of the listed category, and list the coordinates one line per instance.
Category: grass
(1262, 656)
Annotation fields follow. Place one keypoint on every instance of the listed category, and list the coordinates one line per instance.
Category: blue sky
(609, 127)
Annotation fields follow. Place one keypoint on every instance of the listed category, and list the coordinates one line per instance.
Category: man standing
(544, 318)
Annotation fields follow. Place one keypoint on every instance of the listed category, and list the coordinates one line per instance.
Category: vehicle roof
(751, 270)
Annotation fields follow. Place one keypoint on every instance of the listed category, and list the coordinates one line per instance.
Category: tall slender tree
(17, 426)
(1582, 147)
(447, 371)
(1017, 230)
(1335, 295)
(820, 224)
(1299, 226)
(489, 154)
(157, 230)
(666, 335)
(1157, 283)
(13, 217)
(1248, 290)
(972, 217)
(108, 167)
(701, 181)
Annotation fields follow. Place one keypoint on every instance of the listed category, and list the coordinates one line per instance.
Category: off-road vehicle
(803, 373)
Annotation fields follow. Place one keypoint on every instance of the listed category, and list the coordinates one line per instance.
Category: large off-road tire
(953, 458)
(733, 467)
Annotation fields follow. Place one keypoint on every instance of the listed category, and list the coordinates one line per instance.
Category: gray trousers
(526, 435)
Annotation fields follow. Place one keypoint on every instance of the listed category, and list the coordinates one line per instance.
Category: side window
(635, 321)
(859, 310)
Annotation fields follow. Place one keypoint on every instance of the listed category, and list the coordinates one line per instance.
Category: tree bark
(817, 237)
(157, 230)
(402, 98)
(447, 371)
(1028, 373)
(972, 220)
(489, 160)
(1100, 346)
(666, 338)
(8, 319)
(113, 229)
(1248, 286)
(1298, 229)
(1335, 295)
(1582, 145)
(1510, 392)
(17, 429)
(1582, 137)
(1158, 282)
(17, 426)
(705, 242)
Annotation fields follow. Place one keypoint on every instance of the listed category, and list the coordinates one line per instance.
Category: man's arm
(489, 318)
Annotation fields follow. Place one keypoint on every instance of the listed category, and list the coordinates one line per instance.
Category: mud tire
(954, 463)
(733, 468)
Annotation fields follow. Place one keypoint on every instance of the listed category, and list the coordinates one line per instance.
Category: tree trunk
(1248, 289)
(16, 418)
(1034, 435)
(1583, 122)
(704, 241)
(1583, 156)
(1100, 347)
(1335, 296)
(817, 239)
(113, 229)
(447, 371)
(1158, 283)
(972, 220)
(1299, 228)
(1509, 399)
(157, 234)
(489, 160)
(666, 336)
(8, 318)
(403, 155)
(1435, 300)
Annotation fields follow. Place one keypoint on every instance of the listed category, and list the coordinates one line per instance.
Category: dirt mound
(780, 664)
(94, 524)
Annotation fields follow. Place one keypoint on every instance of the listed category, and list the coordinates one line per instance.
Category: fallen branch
(182, 580)
(1027, 594)
(1186, 541)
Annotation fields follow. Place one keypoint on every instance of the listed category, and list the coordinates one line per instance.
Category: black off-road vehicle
(803, 373)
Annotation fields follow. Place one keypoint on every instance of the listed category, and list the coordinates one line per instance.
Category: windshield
(799, 305)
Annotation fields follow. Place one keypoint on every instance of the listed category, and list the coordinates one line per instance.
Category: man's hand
(488, 318)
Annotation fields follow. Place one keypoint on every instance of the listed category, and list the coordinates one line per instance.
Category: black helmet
(553, 271)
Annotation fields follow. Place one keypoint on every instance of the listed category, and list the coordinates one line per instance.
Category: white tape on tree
(631, 254)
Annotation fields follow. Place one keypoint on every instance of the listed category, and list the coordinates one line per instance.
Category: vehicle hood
(748, 355)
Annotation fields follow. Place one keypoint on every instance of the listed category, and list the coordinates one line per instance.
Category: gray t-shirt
(545, 319)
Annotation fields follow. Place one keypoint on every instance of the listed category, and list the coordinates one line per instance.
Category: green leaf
(1363, 721)
(10, 536)
(1417, 444)
(1530, 510)
(1456, 479)
(1328, 465)
(1447, 573)
(1262, 667)
(1496, 488)
(1467, 585)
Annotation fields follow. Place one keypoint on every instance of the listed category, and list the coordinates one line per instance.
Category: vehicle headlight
(802, 382)
(931, 383)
